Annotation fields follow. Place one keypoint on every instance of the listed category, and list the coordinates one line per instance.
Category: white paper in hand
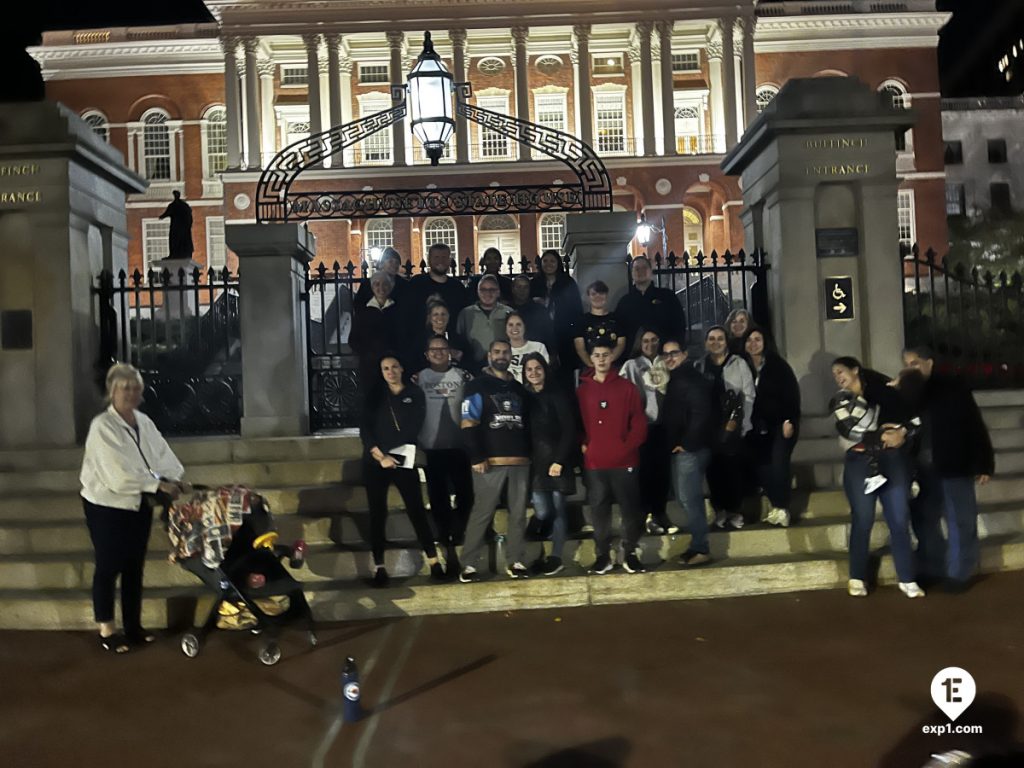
(404, 455)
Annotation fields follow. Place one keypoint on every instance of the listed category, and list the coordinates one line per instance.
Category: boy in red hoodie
(614, 428)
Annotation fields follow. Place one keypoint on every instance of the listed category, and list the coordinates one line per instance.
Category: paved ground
(813, 679)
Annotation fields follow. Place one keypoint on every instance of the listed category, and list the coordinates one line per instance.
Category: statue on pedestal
(180, 236)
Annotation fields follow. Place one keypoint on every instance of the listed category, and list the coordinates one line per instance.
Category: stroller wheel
(313, 641)
(270, 654)
(190, 645)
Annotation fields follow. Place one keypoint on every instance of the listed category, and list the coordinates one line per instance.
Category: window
(550, 110)
(552, 231)
(548, 65)
(608, 64)
(294, 76)
(98, 122)
(441, 230)
(376, 148)
(999, 192)
(954, 154)
(764, 95)
(687, 113)
(216, 141)
(377, 234)
(492, 144)
(686, 62)
(216, 251)
(955, 202)
(997, 150)
(373, 73)
(296, 130)
(900, 100)
(154, 243)
(905, 216)
(156, 147)
(491, 65)
(610, 119)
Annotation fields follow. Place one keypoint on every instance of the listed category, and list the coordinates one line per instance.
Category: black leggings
(119, 538)
(407, 481)
(448, 470)
(653, 472)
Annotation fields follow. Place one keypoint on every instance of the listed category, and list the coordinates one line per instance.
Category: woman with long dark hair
(873, 422)
(561, 296)
(391, 421)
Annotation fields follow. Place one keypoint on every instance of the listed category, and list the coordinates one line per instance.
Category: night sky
(979, 33)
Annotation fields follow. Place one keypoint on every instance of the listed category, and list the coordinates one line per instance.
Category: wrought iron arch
(277, 202)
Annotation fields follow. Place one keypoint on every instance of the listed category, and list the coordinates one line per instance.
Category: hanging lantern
(643, 231)
(430, 101)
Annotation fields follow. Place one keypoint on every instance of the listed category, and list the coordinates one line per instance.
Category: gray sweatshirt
(443, 392)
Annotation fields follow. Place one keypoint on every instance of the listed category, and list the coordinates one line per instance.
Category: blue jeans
(546, 504)
(688, 470)
(951, 498)
(895, 497)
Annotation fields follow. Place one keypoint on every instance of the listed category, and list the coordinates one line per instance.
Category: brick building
(660, 89)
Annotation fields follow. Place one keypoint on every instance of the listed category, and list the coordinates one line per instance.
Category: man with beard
(648, 306)
(436, 282)
(495, 427)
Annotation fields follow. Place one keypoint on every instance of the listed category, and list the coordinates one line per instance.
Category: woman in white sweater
(515, 330)
(125, 457)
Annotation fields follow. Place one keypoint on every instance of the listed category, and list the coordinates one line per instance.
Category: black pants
(770, 455)
(604, 485)
(119, 538)
(407, 481)
(448, 471)
(727, 476)
(654, 473)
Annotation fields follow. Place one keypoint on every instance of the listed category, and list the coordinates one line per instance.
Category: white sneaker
(873, 483)
(771, 517)
(736, 521)
(911, 589)
(857, 588)
(915, 489)
(780, 517)
(720, 520)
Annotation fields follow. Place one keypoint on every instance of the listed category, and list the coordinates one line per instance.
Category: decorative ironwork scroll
(275, 200)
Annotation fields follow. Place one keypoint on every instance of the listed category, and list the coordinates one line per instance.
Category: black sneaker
(380, 577)
(602, 565)
(469, 575)
(654, 528)
(632, 564)
(551, 566)
(437, 573)
(518, 571)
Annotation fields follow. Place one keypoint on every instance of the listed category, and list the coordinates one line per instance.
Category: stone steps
(333, 601)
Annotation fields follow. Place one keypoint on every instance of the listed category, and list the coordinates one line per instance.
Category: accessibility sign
(839, 298)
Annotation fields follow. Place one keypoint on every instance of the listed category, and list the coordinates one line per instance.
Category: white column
(326, 97)
(586, 112)
(268, 130)
(668, 96)
(749, 69)
(643, 31)
(334, 90)
(243, 124)
(522, 65)
(458, 38)
(252, 103)
(177, 132)
(728, 81)
(346, 102)
(313, 81)
(659, 117)
(396, 39)
(738, 68)
(637, 101)
(714, 51)
(234, 116)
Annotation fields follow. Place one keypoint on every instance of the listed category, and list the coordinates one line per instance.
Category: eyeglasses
(674, 353)
(437, 349)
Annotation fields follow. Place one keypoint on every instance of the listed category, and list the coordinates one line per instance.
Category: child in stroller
(226, 537)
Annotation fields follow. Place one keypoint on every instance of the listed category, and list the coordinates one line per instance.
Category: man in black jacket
(954, 452)
(648, 306)
(689, 430)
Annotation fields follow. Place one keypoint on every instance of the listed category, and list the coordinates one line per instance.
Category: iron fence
(183, 335)
(969, 317)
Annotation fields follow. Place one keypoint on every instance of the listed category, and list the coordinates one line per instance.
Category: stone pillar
(749, 70)
(231, 98)
(714, 51)
(597, 244)
(252, 103)
(62, 220)
(728, 80)
(668, 101)
(659, 137)
(396, 39)
(326, 98)
(586, 105)
(458, 38)
(274, 259)
(346, 104)
(643, 32)
(313, 81)
(334, 90)
(268, 124)
(522, 67)
(819, 165)
(637, 102)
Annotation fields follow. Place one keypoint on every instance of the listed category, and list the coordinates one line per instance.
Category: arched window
(501, 231)
(378, 234)
(441, 230)
(215, 123)
(900, 100)
(552, 231)
(98, 122)
(156, 146)
(764, 95)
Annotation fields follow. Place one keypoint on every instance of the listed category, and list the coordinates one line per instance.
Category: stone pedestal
(819, 183)
(272, 263)
(178, 304)
(62, 220)
(598, 245)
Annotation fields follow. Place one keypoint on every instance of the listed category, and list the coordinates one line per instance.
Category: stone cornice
(783, 34)
(178, 57)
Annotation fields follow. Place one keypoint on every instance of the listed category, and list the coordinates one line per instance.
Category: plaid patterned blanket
(204, 523)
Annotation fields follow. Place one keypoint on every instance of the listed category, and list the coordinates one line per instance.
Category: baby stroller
(226, 537)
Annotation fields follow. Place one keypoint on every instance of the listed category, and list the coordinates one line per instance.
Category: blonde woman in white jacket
(125, 457)
(732, 384)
